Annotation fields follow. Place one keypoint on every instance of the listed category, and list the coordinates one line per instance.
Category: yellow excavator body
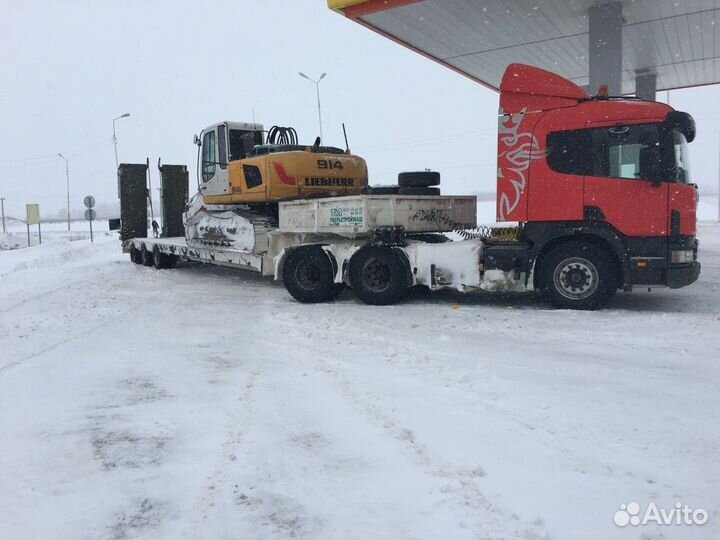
(294, 174)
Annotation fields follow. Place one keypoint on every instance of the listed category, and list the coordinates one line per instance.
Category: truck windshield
(682, 165)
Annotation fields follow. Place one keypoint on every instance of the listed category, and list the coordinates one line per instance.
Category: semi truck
(595, 191)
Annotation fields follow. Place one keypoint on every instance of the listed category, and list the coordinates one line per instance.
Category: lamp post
(317, 90)
(2, 206)
(67, 181)
(115, 138)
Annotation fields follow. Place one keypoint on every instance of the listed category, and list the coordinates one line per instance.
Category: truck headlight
(681, 256)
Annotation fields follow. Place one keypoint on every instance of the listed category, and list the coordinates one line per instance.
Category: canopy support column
(605, 47)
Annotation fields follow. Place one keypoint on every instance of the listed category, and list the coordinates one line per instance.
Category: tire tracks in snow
(212, 494)
(462, 487)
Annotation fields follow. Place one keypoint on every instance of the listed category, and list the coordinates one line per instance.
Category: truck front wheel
(378, 276)
(578, 275)
(308, 275)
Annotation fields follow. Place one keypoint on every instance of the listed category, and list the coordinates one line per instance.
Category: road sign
(33, 214)
(90, 214)
(89, 202)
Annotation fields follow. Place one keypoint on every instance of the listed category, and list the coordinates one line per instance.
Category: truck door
(626, 186)
(214, 161)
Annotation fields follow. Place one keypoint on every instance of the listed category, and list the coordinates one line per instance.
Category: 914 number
(329, 164)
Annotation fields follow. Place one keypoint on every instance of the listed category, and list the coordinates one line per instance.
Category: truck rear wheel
(578, 275)
(308, 275)
(378, 276)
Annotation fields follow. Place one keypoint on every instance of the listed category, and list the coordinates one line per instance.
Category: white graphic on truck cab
(515, 152)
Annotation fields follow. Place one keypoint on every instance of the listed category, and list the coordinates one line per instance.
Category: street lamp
(115, 138)
(317, 89)
(67, 181)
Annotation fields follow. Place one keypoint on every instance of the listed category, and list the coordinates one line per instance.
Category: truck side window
(632, 152)
(208, 156)
(571, 152)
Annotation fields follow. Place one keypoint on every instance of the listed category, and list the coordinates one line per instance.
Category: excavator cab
(219, 145)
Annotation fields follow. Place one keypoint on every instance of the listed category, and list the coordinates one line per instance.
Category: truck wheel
(378, 276)
(578, 275)
(419, 179)
(145, 256)
(159, 259)
(135, 255)
(308, 275)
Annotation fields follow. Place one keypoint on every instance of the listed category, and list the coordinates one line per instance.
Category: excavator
(243, 171)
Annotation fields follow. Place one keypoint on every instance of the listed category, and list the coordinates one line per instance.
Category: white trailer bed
(358, 215)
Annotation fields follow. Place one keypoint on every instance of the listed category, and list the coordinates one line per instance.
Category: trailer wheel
(308, 275)
(378, 276)
(145, 256)
(578, 275)
(419, 179)
(159, 259)
(135, 255)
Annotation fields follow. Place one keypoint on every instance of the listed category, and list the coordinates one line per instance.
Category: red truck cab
(601, 186)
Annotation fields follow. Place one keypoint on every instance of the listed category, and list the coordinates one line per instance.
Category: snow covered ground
(206, 403)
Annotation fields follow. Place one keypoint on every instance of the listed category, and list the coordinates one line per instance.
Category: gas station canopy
(634, 46)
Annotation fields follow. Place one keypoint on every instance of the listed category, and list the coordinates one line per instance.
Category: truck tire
(419, 179)
(308, 275)
(578, 275)
(135, 255)
(378, 276)
(419, 191)
(145, 256)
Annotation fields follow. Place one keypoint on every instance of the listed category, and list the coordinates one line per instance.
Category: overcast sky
(70, 67)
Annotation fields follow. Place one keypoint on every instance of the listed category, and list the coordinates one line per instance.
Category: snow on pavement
(206, 403)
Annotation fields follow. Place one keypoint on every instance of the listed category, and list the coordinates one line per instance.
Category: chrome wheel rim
(576, 278)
